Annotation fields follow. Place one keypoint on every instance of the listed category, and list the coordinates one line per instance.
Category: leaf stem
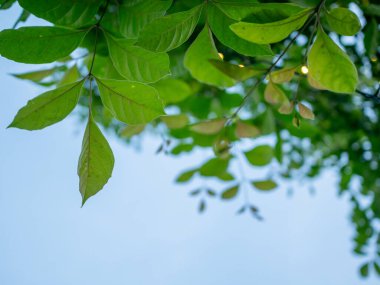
(97, 27)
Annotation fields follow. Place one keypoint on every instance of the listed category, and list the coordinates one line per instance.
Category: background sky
(144, 229)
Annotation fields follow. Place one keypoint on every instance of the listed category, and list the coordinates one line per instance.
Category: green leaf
(270, 32)
(71, 75)
(134, 15)
(230, 193)
(265, 185)
(38, 75)
(343, 21)
(259, 12)
(214, 167)
(135, 63)
(6, 4)
(71, 13)
(220, 23)
(175, 121)
(371, 37)
(39, 44)
(172, 90)
(209, 127)
(48, 108)
(197, 61)
(237, 72)
(186, 176)
(330, 66)
(260, 155)
(96, 161)
(364, 270)
(169, 32)
(130, 102)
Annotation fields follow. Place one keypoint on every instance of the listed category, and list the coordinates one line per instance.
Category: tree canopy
(291, 87)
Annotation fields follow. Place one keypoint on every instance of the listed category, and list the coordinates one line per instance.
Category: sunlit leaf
(270, 32)
(237, 72)
(305, 112)
(330, 66)
(197, 61)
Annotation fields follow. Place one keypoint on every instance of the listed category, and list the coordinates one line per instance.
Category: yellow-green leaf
(265, 185)
(209, 127)
(330, 66)
(197, 61)
(271, 32)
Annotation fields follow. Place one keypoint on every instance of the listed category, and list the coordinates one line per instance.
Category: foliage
(304, 76)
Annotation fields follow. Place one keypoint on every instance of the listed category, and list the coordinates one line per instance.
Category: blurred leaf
(265, 185)
(209, 127)
(230, 193)
(343, 21)
(260, 155)
(175, 121)
(244, 130)
(237, 72)
(186, 176)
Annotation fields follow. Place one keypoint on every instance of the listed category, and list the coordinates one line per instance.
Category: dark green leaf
(39, 44)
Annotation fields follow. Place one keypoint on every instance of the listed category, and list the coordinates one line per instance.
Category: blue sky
(144, 229)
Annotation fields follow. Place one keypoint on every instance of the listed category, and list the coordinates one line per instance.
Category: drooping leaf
(237, 72)
(230, 193)
(260, 155)
(343, 21)
(96, 161)
(136, 63)
(167, 33)
(72, 13)
(197, 61)
(134, 15)
(270, 32)
(330, 66)
(38, 75)
(209, 127)
(130, 102)
(305, 112)
(264, 185)
(245, 130)
(48, 108)
(220, 23)
(172, 90)
(274, 95)
(282, 75)
(39, 44)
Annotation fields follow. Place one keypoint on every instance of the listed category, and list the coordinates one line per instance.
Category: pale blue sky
(144, 229)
